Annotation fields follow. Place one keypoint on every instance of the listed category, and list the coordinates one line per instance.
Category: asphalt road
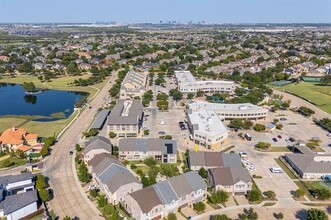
(69, 197)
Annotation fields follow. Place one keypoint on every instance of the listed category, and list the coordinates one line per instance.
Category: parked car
(287, 140)
(279, 136)
(162, 123)
(243, 154)
(283, 119)
(161, 133)
(91, 187)
(71, 152)
(275, 139)
(292, 139)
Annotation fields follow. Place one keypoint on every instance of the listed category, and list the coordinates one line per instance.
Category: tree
(176, 94)
(259, 127)
(247, 124)
(29, 86)
(254, 195)
(199, 206)
(67, 218)
(220, 217)
(168, 170)
(102, 201)
(93, 193)
(306, 111)
(220, 196)
(108, 209)
(203, 172)
(44, 195)
(172, 216)
(279, 215)
(270, 194)
(83, 174)
(299, 193)
(263, 145)
(190, 95)
(150, 161)
(316, 214)
(112, 134)
(325, 80)
(248, 215)
(322, 194)
(41, 182)
(44, 150)
(78, 148)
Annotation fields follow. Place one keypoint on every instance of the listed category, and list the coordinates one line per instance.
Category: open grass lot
(9, 123)
(16, 161)
(47, 129)
(274, 149)
(319, 95)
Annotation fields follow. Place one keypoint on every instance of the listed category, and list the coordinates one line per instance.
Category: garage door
(157, 217)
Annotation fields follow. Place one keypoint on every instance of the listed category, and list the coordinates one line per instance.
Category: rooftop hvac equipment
(126, 108)
(243, 107)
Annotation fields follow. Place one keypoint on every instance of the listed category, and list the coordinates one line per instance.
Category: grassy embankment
(314, 93)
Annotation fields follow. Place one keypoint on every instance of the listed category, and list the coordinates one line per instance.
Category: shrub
(150, 161)
(133, 166)
(112, 134)
(259, 127)
(218, 197)
(254, 195)
(316, 214)
(203, 172)
(108, 209)
(93, 193)
(102, 201)
(299, 193)
(270, 194)
(199, 206)
(172, 216)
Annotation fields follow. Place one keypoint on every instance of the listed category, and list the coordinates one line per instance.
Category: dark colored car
(292, 139)
(283, 119)
(161, 133)
(275, 139)
(71, 152)
(279, 136)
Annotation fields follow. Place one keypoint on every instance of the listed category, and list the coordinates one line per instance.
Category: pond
(48, 105)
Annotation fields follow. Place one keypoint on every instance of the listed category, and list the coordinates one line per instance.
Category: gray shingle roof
(18, 201)
(228, 176)
(134, 114)
(165, 192)
(100, 120)
(98, 142)
(116, 176)
(101, 166)
(307, 164)
(147, 144)
(15, 178)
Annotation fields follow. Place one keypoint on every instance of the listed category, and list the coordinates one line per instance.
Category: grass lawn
(319, 95)
(286, 169)
(9, 123)
(275, 149)
(47, 129)
(17, 161)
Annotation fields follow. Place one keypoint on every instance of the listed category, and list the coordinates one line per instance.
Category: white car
(162, 123)
(244, 160)
(252, 169)
(91, 187)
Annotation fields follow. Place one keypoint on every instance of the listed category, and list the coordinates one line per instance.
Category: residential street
(69, 197)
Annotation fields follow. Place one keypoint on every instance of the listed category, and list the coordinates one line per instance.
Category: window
(118, 127)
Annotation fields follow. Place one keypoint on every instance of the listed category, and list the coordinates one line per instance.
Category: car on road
(71, 152)
(91, 187)
(283, 119)
(161, 133)
(279, 136)
(90, 107)
(162, 123)
(275, 139)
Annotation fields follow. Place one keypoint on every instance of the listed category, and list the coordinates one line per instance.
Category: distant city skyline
(154, 11)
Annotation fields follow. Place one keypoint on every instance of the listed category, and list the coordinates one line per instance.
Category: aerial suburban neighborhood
(165, 120)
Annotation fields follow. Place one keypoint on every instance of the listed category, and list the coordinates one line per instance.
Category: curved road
(69, 197)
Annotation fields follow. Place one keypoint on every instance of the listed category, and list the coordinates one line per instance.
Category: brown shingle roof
(146, 198)
(228, 176)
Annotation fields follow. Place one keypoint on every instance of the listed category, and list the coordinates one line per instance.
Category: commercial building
(207, 160)
(126, 118)
(234, 180)
(134, 84)
(205, 120)
(232, 111)
(158, 200)
(188, 83)
(308, 164)
(141, 148)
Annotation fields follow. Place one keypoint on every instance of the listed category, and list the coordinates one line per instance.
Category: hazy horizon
(153, 11)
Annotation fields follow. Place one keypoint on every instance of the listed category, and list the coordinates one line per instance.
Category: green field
(319, 95)
(45, 129)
